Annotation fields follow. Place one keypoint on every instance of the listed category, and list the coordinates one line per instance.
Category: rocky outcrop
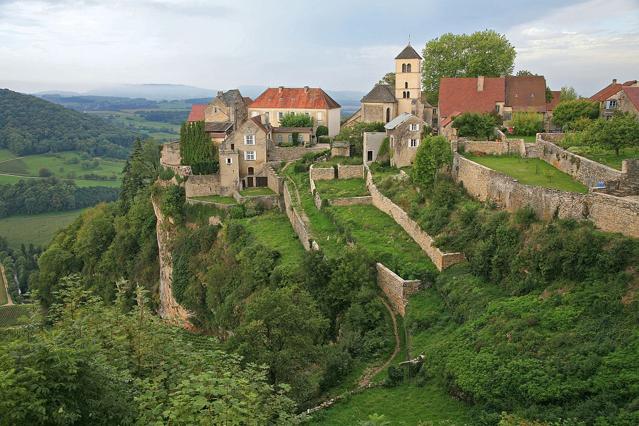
(169, 308)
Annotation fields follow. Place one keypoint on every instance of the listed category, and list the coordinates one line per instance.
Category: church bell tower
(408, 83)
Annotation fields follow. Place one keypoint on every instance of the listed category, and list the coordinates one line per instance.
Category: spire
(408, 53)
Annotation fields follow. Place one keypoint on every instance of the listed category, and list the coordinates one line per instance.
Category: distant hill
(99, 103)
(30, 125)
(155, 92)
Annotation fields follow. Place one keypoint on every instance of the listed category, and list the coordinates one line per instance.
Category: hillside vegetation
(30, 125)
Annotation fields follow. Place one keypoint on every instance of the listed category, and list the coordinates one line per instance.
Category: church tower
(408, 82)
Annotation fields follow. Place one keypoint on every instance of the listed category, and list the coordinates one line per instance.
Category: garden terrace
(341, 188)
(256, 192)
(603, 156)
(218, 199)
(530, 171)
(333, 161)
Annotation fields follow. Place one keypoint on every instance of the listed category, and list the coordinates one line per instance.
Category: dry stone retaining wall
(351, 201)
(494, 147)
(609, 213)
(274, 181)
(279, 153)
(345, 171)
(203, 185)
(396, 288)
(321, 173)
(298, 224)
(426, 242)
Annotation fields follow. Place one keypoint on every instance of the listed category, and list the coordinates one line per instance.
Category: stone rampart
(426, 242)
(203, 185)
(280, 153)
(321, 173)
(609, 213)
(347, 171)
(170, 159)
(396, 289)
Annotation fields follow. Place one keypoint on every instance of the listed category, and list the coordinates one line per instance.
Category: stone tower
(408, 82)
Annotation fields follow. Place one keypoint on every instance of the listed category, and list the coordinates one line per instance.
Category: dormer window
(249, 139)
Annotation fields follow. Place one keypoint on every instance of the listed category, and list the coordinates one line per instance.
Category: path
(368, 375)
(6, 286)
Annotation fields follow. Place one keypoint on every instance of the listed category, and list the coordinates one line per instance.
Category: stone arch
(403, 67)
(407, 67)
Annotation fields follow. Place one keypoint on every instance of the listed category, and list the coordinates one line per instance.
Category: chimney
(279, 89)
(480, 83)
(614, 81)
(305, 89)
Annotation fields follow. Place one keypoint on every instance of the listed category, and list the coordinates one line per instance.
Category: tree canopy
(482, 53)
(433, 154)
(291, 119)
(197, 149)
(572, 110)
(621, 131)
(477, 126)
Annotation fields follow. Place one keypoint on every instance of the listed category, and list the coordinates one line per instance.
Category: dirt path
(368, 375)
(6, 286)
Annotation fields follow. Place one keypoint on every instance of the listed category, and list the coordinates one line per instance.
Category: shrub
(321, 131)
(296, 120)
(395, 376)
(324, 139)
(44, 172)
(173, 203)
(479, 126)
(166, 174)
(527, 123)
(433, 154)
(569, 111)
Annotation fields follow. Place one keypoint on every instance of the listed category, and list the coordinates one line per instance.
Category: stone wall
(298, 224)
(396, 289)
(351, 201)
(350, 171)
(266, 201)
(203, 185)
(274, 181)
(609, 213)
(440, 259)
(170, 159)
(279, 153)
(321, 173)
(493, 147)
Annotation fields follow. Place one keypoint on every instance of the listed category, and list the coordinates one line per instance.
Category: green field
(36, 229)
(221, 199)
(604, 156)
(403, 405)
(530, 171)
(341, 188)
(253, 192)
(161, 132)
(64, 165)
(12, 315)
(273, 230)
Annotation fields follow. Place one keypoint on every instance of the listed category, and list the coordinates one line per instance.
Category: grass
(254, 192)
(13, 315)
(340, 160)
(64, 165)
(403, 405)
(341, 188)
(273, 230)
(220, 199)
(605, 156)
(530, 171)
(36, 229)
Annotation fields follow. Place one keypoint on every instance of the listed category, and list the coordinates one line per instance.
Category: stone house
(384, 102)
(275, 102)
(372, 143)
(222, 115)
(250, 141)
(623, 97)
(404, 133)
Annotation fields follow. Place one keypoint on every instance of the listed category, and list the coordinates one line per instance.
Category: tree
(355, 135)
(524, 73)
(389, 78)
(433, 154)
(568, 111)
(621, 131)
(197, 150)
(296, 120)
(568, 93)
(321, 131)
(527, 123)
(483, 53)
(480, 126)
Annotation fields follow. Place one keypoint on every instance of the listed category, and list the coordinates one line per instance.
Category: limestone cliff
(169, 309)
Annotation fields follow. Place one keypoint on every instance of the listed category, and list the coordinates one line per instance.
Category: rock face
(169, 309)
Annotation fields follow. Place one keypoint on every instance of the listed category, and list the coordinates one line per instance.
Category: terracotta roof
(526, 93)
(606, 92)
(460, 95)
(633, 95)
(197, 113)
(450, 118)
(381, 93)
(294, 98)
(408, 53)
(556, 97)
(258, 121)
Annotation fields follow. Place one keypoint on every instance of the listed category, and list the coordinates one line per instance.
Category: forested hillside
(30, 125)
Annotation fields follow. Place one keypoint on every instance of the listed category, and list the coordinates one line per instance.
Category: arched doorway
(251, 171)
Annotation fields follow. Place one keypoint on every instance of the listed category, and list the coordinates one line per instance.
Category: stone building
(275, 102)
(384, 102)
(222, 115)
(623, 97)
(404, 133)
(250, 141)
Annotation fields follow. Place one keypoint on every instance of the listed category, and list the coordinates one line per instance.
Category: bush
(527, 123)
(44, 172)
(569, 111)
(173, 203)
(324, 139)
(433, 154)
(478, 126)
(296, 120)
(395, 376)
(321, 131)
(166, 174)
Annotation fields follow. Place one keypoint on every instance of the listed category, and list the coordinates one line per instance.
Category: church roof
(408, 53)
(381, 93)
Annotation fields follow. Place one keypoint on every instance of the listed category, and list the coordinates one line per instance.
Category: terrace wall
(493, 147)
(321, 173)
(297, 222)
(396, 288)
(609, 213)
(170, 159)
(350, 171)
(274, 181)
(426, 242)
(351, 201)
(203, 185)
(279, 153)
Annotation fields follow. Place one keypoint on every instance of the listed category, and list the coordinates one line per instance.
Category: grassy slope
(339, 188)
(35, 229)
(161, 132)
(257, 191)
(530, 171)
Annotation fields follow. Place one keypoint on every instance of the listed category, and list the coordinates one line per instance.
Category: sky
(80, 45)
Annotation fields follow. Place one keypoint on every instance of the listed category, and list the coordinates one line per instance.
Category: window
(414, 127)
(403, 67)
(290, 138)
(229, 161)
(413, 143)
(280, 115)
(249, 139)
(249, 155)
(308, 114)
(406, 85)
(611, 103)
(279, 139)
(408, 94)
(320, 116)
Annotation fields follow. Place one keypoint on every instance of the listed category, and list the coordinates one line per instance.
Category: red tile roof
(526, 93)
(606, 92)
(633, 95)
(556, 97)
(197, 112)
(294, 98)
(460, 95)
